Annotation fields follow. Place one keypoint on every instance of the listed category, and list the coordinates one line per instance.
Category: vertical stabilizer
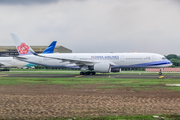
(21, 46)
(50, 48)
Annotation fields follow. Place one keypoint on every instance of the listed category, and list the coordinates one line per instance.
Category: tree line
(174, 59)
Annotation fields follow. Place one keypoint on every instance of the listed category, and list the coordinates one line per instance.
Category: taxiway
(91, 76)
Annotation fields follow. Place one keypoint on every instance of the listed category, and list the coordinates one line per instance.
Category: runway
(91, 76)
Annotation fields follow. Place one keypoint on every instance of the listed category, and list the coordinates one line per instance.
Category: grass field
(103, 83)
(50, 71)
(133, 117)
(40, 72)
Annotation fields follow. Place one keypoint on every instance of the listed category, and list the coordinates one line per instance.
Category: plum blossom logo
(23, 48)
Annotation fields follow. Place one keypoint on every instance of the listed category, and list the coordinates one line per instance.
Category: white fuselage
(117, 60)
(9, 62)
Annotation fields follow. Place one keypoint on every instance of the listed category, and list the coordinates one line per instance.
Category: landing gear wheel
(5, 69)
(81, 73)
(93, 73)
(87, 73)
(160, 73)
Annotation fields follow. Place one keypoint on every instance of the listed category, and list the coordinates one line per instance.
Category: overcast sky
(94, 25)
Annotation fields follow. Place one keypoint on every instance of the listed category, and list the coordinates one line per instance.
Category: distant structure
(6, 51)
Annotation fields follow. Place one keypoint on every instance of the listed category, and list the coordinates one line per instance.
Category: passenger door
(153, 58)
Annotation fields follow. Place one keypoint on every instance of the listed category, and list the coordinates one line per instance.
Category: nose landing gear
(160, 73)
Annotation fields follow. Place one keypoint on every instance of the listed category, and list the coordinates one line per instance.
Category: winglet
(21, 46)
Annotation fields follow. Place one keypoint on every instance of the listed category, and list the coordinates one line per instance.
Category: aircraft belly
(147, 64)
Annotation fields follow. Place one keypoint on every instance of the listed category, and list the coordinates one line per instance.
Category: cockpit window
(164, 58)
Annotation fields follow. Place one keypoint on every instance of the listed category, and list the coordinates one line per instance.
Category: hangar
(11, 50)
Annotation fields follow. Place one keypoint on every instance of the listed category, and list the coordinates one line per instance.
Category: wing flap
(76, 61)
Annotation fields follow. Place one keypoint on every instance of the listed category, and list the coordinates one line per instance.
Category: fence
(164, 70)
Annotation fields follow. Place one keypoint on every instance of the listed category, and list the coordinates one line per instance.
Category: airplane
(10, 62)
(90, 63)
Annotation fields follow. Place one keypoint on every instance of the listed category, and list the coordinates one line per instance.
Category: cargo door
(122, 58)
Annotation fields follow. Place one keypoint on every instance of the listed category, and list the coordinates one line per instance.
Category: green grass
(103, 83)
(57, 71)
(64, 81)
(130, 117)
(34, 72)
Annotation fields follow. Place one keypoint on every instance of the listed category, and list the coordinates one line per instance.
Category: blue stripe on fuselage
(144, 65)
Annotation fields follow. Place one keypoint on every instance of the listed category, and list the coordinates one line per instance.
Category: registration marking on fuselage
(80, 76)
(161, 76)
(3, 75)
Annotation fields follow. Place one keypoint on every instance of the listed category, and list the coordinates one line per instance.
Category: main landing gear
(87, 73)
(4, 69)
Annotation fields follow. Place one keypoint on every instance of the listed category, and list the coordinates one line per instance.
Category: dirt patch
(28, 101)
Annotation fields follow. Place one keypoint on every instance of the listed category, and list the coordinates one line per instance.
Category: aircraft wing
(76, 61)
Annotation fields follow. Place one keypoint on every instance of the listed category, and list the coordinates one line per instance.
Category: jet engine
(102, 67)
(3, 64)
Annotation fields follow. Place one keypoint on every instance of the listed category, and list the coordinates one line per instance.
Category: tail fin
(21, 45)
(50, 48)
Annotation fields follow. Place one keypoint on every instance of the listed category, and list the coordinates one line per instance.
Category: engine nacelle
(4, 64)
(116, 70)
(102, 67)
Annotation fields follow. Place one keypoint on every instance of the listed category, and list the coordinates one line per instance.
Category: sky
(94, 26)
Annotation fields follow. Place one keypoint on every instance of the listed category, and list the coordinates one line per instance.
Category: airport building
(12, 51)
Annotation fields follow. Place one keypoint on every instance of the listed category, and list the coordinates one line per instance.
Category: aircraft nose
(170, 63)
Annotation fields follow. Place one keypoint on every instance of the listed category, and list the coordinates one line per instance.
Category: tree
(171, 56)
(176, 62)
